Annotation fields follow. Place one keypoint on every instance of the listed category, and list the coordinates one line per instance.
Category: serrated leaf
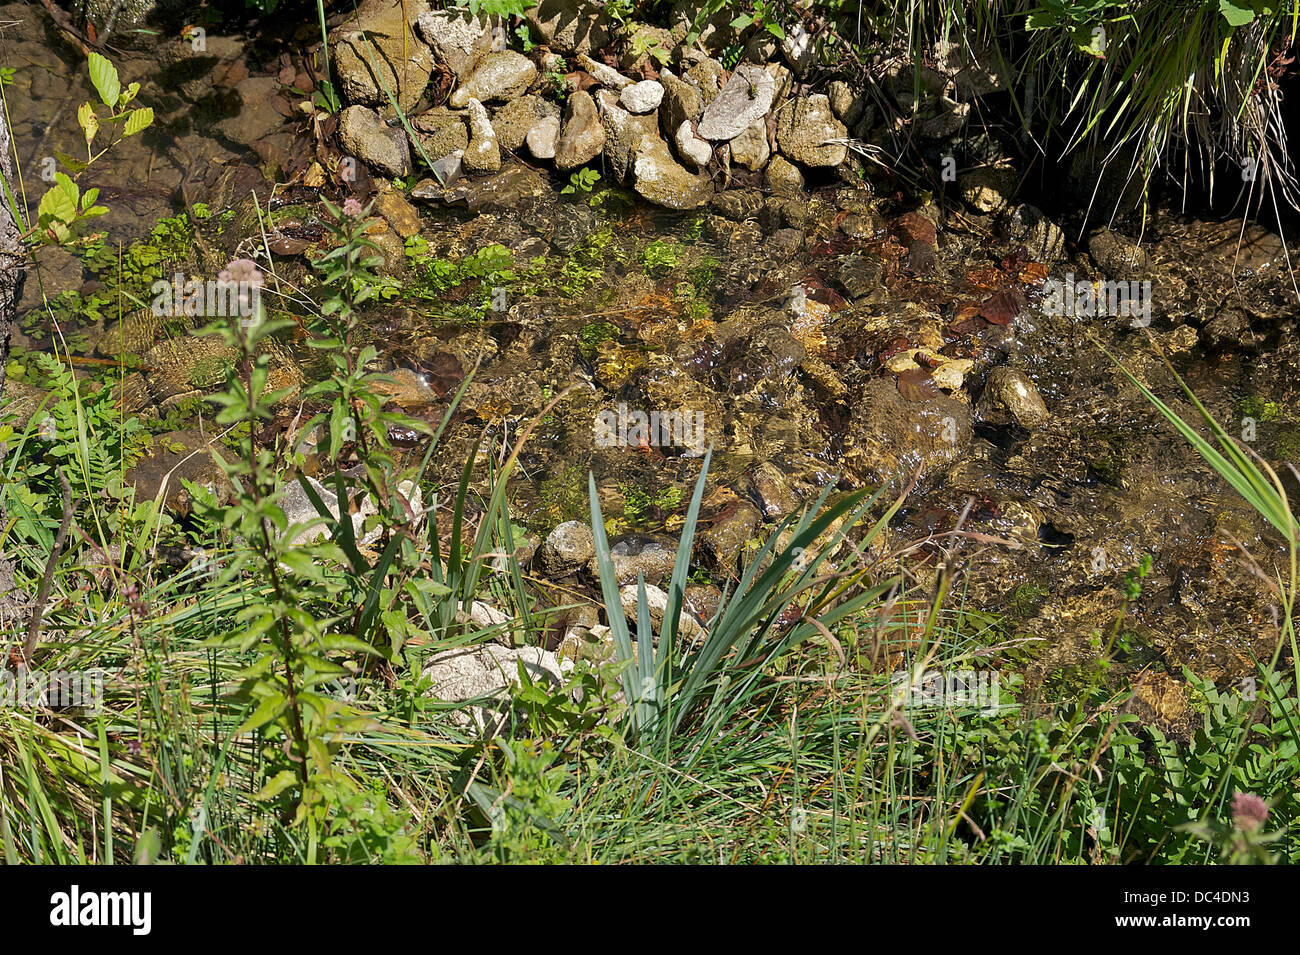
(103, 75)
(138, 120)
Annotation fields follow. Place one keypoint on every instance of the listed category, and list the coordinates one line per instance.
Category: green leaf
(1237, 12)
(139, 119)
(104, 75)
(59, 201)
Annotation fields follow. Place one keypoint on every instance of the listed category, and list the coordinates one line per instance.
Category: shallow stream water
(783, 327)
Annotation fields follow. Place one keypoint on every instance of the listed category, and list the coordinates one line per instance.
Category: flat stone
(745, 99)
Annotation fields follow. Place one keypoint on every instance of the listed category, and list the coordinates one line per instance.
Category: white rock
(602, 74)
(543, 138)
(483, 155)
(488, 670)
(643, 97)
(690, 147)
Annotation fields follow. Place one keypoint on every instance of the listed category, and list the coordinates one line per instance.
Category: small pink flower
(351, 208)
(241, 270)
(1248, 811)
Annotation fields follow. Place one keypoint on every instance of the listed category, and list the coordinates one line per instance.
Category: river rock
(633, 554)
(623, 133)
(602, 74)
(1011, 397)
(515, 120)
(377, 49)
(498, 77)
(681, 102)
(440, 132)
(988, 188)
(751, 148)
(544, 137)
(1118, 257)
(709, 75)
(456, 38)
(566, 549)
(783, 177)
(804, 126)
(688, 626)
(482, 155)
(1041, 237)
(661, 180)
(890, 436)
(581, 135)
(729, 533)
(745, 99)
(643, 97)
(571, 26)
(799, 49)
(489, 670)
(364, 135)
(692, 148)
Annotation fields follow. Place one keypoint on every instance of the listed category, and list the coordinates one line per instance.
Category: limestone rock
(661, 180)
(744, 100)
(483, 155)
(378, 49)
(581, 135)
(370, 139)
(803, 128)
(499, 77)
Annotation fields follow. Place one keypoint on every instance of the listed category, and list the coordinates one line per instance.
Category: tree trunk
(12, 260)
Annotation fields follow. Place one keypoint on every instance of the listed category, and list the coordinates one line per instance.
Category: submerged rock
(891, 437)
(1011, 397)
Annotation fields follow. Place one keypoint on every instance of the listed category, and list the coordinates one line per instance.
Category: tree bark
(13, 272)
(12, 258)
